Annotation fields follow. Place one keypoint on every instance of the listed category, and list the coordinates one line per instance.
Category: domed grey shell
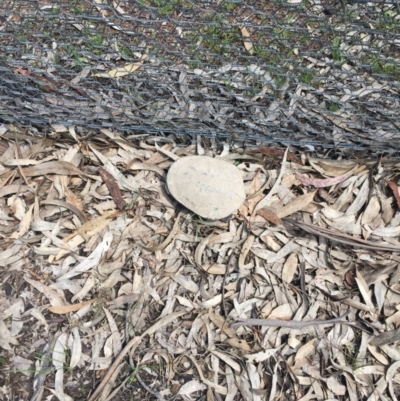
(211, 188)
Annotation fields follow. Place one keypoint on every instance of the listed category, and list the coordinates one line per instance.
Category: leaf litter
(110, 288)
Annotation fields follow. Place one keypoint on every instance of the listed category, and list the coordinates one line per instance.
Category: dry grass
(108, 287)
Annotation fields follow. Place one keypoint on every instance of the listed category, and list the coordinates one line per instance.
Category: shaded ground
(303, 73)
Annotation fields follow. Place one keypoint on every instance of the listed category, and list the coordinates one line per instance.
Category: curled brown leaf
(395, 191)
(325, 182)
(113, 188)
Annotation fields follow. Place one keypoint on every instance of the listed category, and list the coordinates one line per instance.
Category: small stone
(211, 188)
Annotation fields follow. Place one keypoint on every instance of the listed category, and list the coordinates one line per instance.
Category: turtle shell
(211, 188)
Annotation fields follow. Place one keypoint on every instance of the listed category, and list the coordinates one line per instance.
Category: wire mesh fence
(302, 72)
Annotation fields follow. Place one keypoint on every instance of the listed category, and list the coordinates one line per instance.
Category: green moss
(96, 39)
(229, 6)
(337, 53)
(333, 107)
(382, 66)
(306, 77)
(77, 9)
(78, 60)
(387, 20)
(279, 80)
(351, 357)
(167, 7)
(219, 38)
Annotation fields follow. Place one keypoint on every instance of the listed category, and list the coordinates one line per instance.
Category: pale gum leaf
(103, 159)
(115, 137)
(198, 254)
(267, 198)
(334, 386)
(92, 260)
(215, 300)
(185, 302)
(191, 387)
(270, 242)
(17, 206)
(370, 370)
(371, 211)
(344, 198)
(167, 153)
(186, 283)
(222, 238)
(254, 380)
(245, 388)
(72, 132)
(108, 348)
(389, 378)
(377, 355)
(58, 356)
(121, 71)
(21, 162)
(73, 199)
(115, 338)
(105, 395)
(239, 344)
(282, 312)
(89, 284)
(351, 387)
(262, 355)
(255, 185)
(52, 295)
(147, 166)
(222, 324)
(245, 250)
(169, 239)
(227, 359)
(386, 231)
(299, 203)
(230, 381)
(217, 387)
(163, 322)
(24, 225)
(63, 309)
(293, 342)
(303, 353)
(364, 290)
(76, 348)
(39, 316)
(360, 200)
(215, 269)
(248, 44)
(61, 396)
(55, 167)
(87, 230)
(215, 363)
(380, 290)
(289, 248)
(6, 338)
(325, 182)
(289, 268)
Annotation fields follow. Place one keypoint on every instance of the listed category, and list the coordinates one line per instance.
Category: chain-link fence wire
(301, 72)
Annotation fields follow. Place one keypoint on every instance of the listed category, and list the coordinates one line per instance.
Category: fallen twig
(341, 238)
(291, 324)
(132, 344)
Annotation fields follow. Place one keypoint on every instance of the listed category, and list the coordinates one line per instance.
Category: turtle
(209, 187)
